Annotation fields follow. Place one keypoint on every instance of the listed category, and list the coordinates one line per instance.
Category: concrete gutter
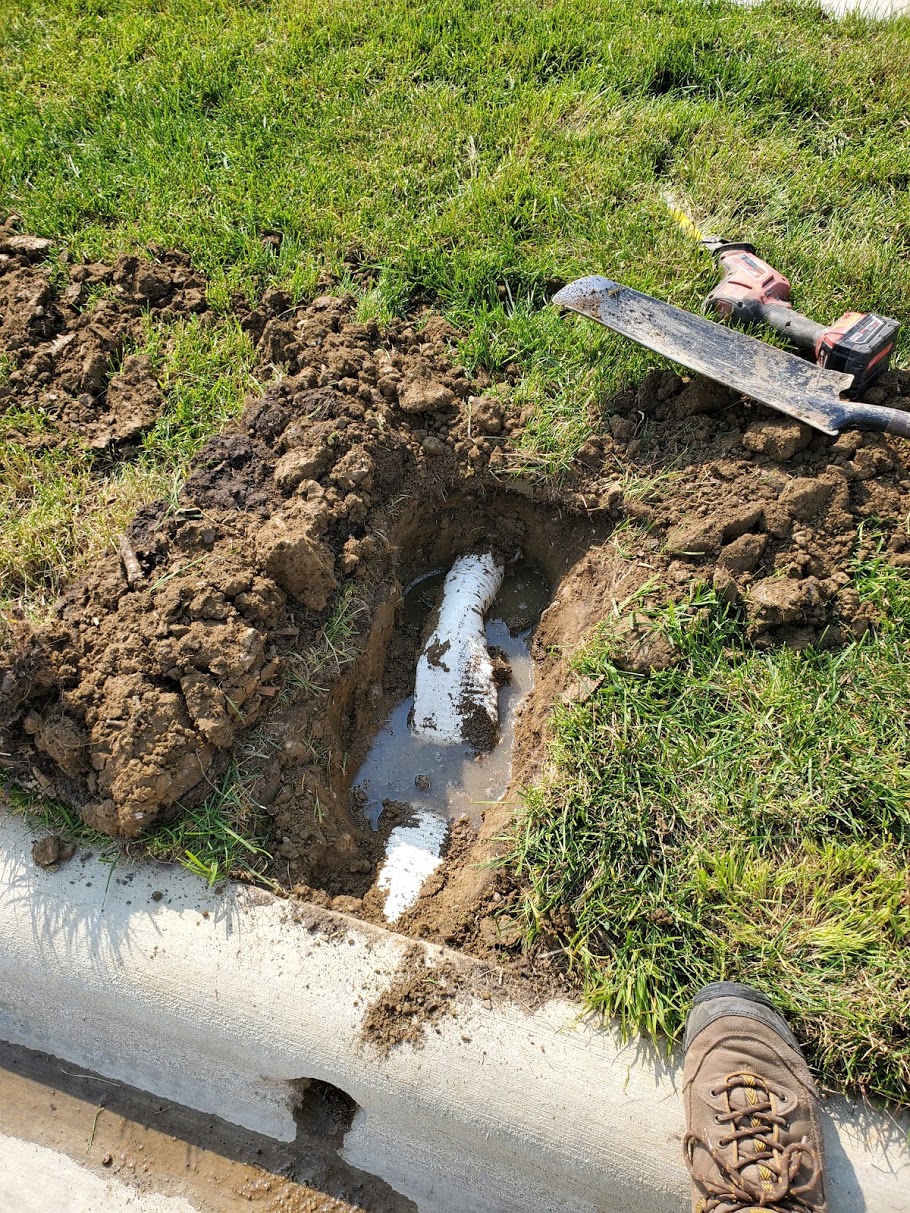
(34, 1179)
(220, 1001)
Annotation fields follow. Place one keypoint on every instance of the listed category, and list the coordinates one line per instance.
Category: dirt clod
(780, 439)
(743, 554)
(52, 850)
(134, 402)
(695, 538)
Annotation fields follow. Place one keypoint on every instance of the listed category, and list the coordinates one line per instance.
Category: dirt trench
(259, 619)
(209, 634)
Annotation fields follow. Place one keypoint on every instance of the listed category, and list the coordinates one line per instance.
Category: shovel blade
(772, 376)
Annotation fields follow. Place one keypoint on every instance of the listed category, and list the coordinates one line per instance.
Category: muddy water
(452, 780)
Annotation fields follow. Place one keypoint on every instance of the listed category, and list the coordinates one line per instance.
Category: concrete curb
(218, 1002)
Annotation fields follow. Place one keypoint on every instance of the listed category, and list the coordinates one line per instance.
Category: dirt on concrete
(258, 619)
(421, 995)
(52, 850)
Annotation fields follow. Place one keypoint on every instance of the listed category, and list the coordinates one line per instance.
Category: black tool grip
(794, 327)
(874, 417)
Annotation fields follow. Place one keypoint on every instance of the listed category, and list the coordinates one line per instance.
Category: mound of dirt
(62, 341)
(768, 511)
(259, 619)
(370, 456)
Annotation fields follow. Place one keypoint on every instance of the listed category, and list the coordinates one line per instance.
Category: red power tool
(752, 292)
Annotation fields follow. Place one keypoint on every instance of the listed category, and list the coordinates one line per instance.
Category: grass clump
(226, 835)
(62, 504)
(334, 648)
(742, 815)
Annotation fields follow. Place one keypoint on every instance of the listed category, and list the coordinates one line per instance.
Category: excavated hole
(367, 711)
(234, 658)
(449, 780)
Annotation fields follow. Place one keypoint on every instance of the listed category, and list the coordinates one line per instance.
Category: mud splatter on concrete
(420, 995)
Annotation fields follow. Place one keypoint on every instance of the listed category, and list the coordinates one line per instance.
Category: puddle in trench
(451, 780)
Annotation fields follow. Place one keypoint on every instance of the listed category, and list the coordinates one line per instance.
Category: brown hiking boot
(754, 1139)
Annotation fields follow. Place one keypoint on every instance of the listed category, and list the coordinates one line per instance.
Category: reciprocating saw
(753, 292)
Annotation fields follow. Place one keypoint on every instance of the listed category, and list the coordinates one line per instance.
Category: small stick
(131, 563)
(94, 1127)
(93, 1077)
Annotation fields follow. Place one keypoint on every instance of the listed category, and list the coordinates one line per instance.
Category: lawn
(744, 816)
(473, 157)
(429, 153)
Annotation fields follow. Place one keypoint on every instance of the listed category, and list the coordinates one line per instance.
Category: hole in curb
(322, 1110)
(324, 1114)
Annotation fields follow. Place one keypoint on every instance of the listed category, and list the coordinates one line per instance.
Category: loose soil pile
(214, 631)
(419, 997)
(61, 342)
(260, 619)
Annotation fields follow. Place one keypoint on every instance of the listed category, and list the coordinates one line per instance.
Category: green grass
(442, 154)
(334, 648)
(742, 815)
(437, 154)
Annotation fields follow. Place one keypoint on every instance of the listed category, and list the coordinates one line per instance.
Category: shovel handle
(874, 417)
(899, 423)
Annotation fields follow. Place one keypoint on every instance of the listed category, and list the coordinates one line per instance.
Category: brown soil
(420, 995)
(373, 459)
(63, 341)
(51, 851)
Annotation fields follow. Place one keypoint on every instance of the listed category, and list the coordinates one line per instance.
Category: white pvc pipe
(454, 671)
(413, 853)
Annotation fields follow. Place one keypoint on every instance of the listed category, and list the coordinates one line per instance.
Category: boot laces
(779, 1164)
